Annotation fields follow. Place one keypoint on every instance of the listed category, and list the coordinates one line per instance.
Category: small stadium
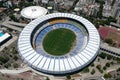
(59, 43)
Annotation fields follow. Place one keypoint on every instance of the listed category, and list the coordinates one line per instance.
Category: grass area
(59, 42)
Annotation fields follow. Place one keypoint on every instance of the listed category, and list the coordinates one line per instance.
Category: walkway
(18, 71)
(22, 25)
(111, 50)
(11, 26)
(14, 25)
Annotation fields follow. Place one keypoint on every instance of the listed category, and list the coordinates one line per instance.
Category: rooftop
(33, 12)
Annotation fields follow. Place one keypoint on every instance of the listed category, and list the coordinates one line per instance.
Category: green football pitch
(59, 41)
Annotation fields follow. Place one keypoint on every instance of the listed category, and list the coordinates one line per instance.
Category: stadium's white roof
(58, 65)
(33, 12)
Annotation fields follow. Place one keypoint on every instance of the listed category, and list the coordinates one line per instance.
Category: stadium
(59, 43)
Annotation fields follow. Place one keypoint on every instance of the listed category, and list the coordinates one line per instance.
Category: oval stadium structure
(59, 43)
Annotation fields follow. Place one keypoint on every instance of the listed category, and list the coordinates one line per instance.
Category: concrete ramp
(11, 26)
(22, 25)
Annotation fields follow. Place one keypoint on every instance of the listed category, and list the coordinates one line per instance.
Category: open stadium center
(59, 43)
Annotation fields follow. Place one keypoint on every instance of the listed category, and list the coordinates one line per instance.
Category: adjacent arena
(33, 12)
(37, 53)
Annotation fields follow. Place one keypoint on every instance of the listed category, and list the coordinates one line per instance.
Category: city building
(4, 38)
(45, 1)
(116, 10)
(107, 10)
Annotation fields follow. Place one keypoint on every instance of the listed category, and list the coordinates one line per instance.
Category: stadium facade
(84, 52)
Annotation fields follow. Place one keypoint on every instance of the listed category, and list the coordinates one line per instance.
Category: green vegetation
(9, 58)
(92, 65)
(109, 41)
(107, 64)
(109, 57)
(15, 65)
(86, 70)
(15, 58)
(99, 14)
(100, 1)
(110, 19)
(26, 4)
(107, 75)
(47, 78)
(102, 55)
(98, 59)
(106, 21)
(113, 2)
(59, 42)
(68, 77)
(14, 18)
(93, 71)
(7, 65)
(3, 4)
(4, 59)
(118, 60)
(99, 68)
(104, 68)
(118, 70)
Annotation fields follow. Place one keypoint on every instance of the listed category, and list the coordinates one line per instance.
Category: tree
(85, 70)
(113, 2)
(4, 59)
(47, 78)
(7, 65)
(92, 64)
(2, 4)
(118, 69)
(101, 22)
(14, 18)
(107, 64)
(93, 71)
(98, 59)
(99, 14)
(99, 68)
(96, 24)
(118, 60)
(68, 77)
(107, 75)
(102, 55)
(15, 58)
(9, 29)
(111, 19)
(109, 41)
(104, 68)
(15, 65)
(100, 1)
(14, 51)
(109, 57)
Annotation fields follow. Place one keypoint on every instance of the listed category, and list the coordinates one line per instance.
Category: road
(84, 76)
(18, 71)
